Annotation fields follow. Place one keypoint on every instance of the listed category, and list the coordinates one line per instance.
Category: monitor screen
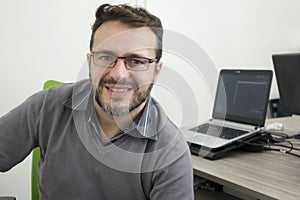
(242, 96)
(287, 71)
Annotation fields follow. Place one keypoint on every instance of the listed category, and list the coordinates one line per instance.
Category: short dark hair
(133, 17)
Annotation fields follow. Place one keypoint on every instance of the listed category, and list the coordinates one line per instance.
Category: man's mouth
(114, 89)
(118, 91)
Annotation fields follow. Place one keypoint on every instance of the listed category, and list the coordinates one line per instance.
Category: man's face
(118, 90)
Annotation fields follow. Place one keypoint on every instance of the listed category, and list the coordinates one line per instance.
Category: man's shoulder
(65, 90)
(55, 97)
(169, 136)
(166, 127)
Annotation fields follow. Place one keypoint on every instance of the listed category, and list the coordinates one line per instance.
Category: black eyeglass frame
(112, 65)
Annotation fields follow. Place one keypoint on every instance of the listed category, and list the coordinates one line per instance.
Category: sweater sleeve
(174, 181)
(18, 131)
(169, 168)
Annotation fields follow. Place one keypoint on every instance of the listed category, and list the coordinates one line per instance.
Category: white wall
(236, 33)
(48, 39)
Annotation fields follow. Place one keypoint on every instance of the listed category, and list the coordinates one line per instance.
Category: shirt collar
(148, 124)
(81, 94)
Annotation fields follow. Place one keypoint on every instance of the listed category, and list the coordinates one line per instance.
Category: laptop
(239, 110)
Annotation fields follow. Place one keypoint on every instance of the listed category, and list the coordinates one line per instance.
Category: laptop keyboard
(219, 131)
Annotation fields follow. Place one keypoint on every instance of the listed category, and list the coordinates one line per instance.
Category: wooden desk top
(265, 175)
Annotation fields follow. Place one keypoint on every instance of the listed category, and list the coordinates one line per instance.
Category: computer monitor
(287, 71)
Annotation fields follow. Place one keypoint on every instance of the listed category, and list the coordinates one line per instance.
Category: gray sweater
(148, 160)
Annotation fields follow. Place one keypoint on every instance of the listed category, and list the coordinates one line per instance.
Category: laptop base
(217, 153)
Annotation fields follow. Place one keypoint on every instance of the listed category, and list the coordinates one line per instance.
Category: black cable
(268, 140)
(282, 151)
(294, 148)
(285, 146)
(297, 149)
(296, 136)
(293, 154)
(281, 145)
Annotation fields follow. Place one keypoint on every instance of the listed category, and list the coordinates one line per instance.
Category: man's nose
(119, 70)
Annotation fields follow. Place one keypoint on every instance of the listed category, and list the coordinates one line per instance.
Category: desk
(266, 175)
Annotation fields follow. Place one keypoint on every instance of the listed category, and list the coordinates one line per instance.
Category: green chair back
(36, 155)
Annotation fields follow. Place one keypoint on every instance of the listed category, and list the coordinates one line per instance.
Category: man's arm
(174, 181)
(18, 132)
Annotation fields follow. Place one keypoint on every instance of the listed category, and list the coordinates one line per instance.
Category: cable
(282, 151)
(294, 148)
(267, 141)
(295, 136)
(293, 154)
(281, 145)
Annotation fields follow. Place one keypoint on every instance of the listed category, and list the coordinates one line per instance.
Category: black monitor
(287, 71)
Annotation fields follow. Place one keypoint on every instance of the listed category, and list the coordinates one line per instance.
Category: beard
(120, 107)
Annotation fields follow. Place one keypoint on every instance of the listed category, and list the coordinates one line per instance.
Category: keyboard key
(219, 131)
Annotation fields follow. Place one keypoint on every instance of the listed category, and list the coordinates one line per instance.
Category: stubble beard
(116, 107)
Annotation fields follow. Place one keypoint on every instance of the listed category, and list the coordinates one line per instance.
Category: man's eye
(105, 58)
(136, 61)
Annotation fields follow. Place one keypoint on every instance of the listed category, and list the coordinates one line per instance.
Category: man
(106, 137)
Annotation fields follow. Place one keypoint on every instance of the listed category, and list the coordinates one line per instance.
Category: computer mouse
(275, 126)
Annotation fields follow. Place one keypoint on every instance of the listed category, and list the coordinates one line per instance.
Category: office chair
(36, 155)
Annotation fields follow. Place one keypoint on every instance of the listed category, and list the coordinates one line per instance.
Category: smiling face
(119, 91)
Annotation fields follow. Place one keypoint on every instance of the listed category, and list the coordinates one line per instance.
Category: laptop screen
(242, 96)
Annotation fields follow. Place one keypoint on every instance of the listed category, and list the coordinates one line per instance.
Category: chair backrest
(36, 155)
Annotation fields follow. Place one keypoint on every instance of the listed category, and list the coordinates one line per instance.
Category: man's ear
(159, 66)
(88, 58)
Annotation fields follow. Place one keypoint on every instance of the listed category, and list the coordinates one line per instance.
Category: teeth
(119, 90)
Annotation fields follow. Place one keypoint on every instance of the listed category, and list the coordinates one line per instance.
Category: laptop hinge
(233, 124)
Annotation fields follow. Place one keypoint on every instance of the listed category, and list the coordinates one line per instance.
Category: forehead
(120, 38)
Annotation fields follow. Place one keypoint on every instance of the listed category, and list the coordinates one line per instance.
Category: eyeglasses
(131, 63)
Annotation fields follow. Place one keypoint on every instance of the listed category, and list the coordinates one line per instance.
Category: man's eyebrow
(130, 54)
(134, 55)
(104, 51)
